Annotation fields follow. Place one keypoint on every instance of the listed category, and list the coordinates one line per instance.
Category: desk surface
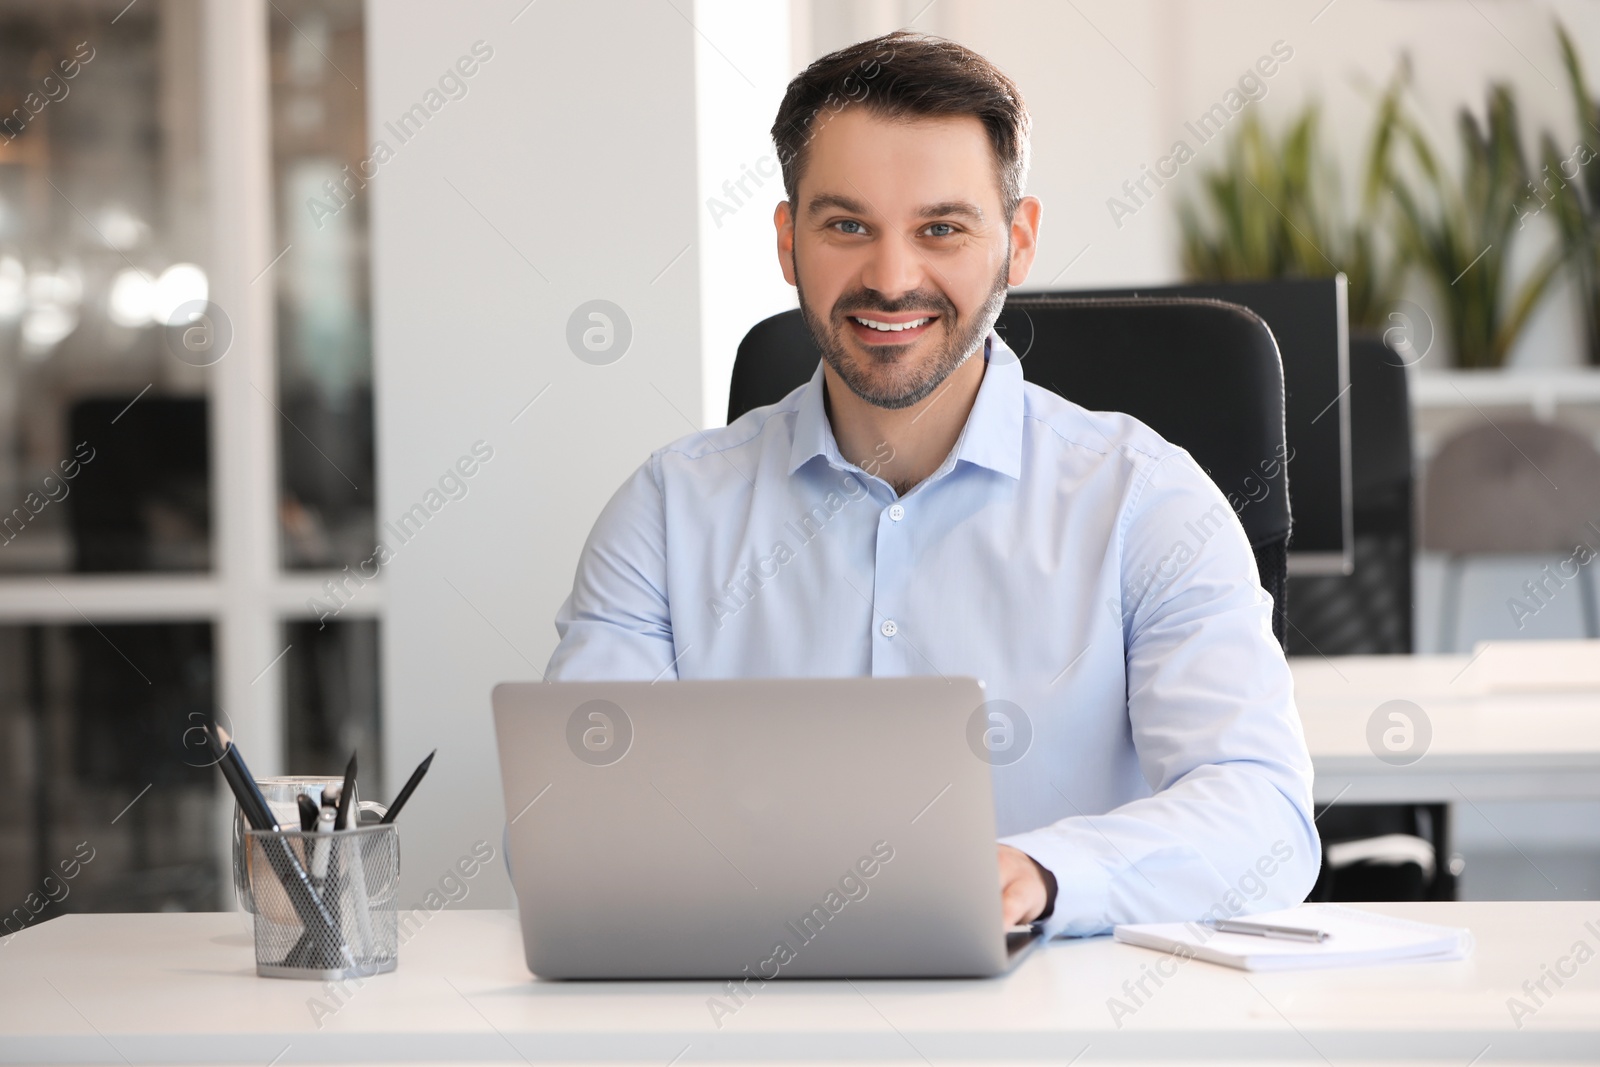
(182, 989)
(1510, 724)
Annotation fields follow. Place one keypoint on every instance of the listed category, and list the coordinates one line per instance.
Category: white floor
(1528, 851)
(1532, 874)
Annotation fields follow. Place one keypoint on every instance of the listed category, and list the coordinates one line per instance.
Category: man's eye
(947, 226)
(847, 222)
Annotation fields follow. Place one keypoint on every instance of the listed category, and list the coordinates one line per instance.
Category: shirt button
(897, 512)
(888, 629)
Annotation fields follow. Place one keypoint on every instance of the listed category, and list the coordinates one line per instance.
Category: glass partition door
(186, 454)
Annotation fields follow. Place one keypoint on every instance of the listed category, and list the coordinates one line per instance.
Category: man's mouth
(890, 329)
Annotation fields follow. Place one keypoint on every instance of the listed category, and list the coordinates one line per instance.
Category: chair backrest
(1204, 374)
(1371, 610)
(1514, 486)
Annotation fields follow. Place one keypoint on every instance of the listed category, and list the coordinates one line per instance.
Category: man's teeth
(891, 327)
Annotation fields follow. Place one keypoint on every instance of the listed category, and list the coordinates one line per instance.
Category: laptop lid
(747, 828)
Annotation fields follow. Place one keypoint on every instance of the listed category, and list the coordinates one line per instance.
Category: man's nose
(896, 267)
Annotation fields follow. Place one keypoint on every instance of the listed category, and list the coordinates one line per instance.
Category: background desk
(182, 989)
(1514, 724)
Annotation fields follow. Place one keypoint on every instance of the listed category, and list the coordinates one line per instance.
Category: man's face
(899, 222)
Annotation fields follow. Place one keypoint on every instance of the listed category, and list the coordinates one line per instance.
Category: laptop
(753, 829)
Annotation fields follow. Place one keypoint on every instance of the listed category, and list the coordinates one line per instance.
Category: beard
(887, 376)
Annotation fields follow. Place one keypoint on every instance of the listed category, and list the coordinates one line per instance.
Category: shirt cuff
(1050, 887)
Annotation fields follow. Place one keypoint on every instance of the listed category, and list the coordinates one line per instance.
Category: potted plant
(1459, 232)
(1273, 210)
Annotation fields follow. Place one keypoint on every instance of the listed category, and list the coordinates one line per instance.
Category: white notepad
(1356, 938)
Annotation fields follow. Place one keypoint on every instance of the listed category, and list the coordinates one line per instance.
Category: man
(916, 508)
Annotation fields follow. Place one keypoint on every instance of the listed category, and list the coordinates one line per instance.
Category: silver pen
(1282, 933)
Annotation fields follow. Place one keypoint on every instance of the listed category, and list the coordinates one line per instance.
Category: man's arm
(615, 625)
(1211, 708)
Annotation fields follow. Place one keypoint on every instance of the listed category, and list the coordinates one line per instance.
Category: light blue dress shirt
(1089, 572)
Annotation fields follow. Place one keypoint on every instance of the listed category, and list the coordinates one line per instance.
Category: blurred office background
(269, 269)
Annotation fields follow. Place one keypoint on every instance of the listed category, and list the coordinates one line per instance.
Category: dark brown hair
(904, 75)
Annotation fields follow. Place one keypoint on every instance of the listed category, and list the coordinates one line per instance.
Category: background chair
(1368, 612)
(1374, 851)
(1514, 486)
(1202, 373)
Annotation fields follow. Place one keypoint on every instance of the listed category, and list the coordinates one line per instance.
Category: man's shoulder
(1081, 435)
(755, 430)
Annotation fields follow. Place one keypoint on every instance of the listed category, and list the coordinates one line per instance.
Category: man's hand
(1022, 888)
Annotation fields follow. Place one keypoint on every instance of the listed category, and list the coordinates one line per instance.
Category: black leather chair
(1204, 374)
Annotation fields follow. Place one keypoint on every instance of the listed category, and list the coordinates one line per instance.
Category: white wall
(739, 179)
(576, 168)
(1096, 108)
(568, 173)
(1094, 114)
(1110, 83)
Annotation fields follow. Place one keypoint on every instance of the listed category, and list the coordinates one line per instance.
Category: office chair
(1516, 486)
(1203, 374)
(1368, 612)
(1374, 851)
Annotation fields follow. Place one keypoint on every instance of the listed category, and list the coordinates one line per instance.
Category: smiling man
(917, 508)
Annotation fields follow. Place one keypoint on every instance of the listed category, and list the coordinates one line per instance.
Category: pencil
(409, 788)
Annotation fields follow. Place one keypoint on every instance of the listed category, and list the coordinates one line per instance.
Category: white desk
(182, 989)
(1512, 724)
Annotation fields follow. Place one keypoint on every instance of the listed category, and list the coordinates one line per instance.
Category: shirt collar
(992, 436)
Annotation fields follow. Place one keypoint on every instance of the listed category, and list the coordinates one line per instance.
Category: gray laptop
(820, 828)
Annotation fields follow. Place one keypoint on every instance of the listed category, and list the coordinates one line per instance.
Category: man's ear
(783, 221)
(1024, 238)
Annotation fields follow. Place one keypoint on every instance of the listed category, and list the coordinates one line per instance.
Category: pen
(347, 796)
(1282, 933)
(320, 847)
(308, 811)
(407, 789)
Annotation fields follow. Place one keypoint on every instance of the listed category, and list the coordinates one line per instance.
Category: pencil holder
(324, 902)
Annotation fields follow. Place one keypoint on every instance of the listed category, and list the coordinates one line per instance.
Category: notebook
(1356, 938)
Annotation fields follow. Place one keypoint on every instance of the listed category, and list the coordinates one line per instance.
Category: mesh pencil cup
(325, 902)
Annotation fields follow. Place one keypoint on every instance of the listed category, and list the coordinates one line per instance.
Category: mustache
(866, 301)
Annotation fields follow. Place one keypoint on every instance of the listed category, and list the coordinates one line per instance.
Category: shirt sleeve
(616, 625)
(1210, 705)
